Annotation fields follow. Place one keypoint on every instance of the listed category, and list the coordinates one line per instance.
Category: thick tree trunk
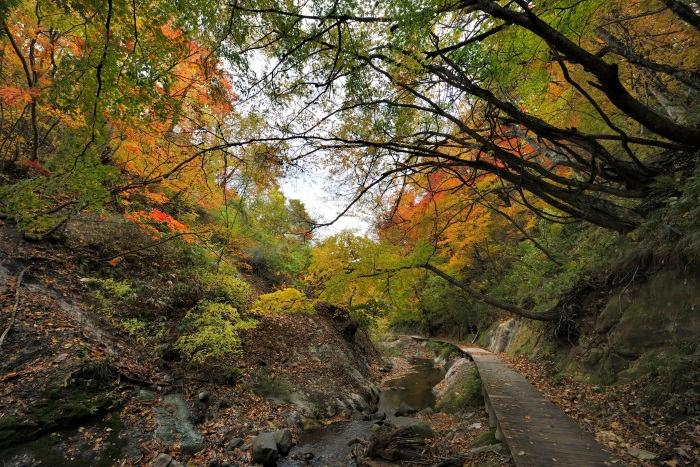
(605, 73)
(683, 11)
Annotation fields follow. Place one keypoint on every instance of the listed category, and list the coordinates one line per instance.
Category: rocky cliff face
(642, 324)
(501, 335)
(634, 330)
(321, 363)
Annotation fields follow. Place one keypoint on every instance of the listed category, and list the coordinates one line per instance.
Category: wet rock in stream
(268, 447)
(264, 450)
(404, 409)
(408, 442)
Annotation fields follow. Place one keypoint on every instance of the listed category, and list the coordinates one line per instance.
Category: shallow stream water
(329, 444)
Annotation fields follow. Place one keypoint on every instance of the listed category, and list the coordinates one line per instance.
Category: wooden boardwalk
(537, 432)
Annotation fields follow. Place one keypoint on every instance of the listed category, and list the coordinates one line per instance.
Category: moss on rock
(487, 438)
(461, 389)
(85, 396)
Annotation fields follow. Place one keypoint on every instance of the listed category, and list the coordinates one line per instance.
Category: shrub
(267, 385)
(214, 333)
(230, 374)
(135, 328)
(289, 300)
(226, 288)
(110, 288)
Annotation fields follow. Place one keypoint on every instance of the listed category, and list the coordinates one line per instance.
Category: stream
(329, 444)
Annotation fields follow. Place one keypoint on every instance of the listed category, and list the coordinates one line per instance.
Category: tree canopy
(472, 128)
(571, 103)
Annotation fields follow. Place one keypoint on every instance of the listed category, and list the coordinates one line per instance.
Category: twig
(18, 283)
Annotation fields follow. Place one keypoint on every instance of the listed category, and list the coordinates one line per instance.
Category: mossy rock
(640, 328)
(463, 391)
(87, 395)
(48, 449)
(443, 350)
(52, 414)
(14, 430)
(69, 409)
(484, 439)
(658, 313)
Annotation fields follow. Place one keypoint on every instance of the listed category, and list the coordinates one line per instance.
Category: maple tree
(113, 107)
(99, 100)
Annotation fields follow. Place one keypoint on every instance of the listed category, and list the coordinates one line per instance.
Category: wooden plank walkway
(537, 432)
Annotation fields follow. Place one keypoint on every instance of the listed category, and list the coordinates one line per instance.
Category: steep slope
(78, 387)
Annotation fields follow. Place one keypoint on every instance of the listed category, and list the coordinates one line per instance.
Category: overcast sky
(313, 187)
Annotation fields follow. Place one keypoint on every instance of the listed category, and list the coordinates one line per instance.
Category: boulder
(415, 425)
(162, 460)
(283, 438)
(234, 443)
(460, 389)
(264, 450)
(404, 409)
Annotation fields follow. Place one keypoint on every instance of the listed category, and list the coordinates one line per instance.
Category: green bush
(226, 288)
(214, 333)
(110, 288)
(268, 386)
(230, 374)
(282, 301)
(135, 328)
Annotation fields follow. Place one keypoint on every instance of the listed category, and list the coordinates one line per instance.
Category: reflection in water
(330, 444)
(413, 389)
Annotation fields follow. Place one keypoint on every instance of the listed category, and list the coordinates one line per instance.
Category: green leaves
(284, 301)
(214, 337)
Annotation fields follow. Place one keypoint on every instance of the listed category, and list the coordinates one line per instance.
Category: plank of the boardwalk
(536, 431)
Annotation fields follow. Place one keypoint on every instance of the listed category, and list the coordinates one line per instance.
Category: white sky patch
(314, 188)
(312, 185)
